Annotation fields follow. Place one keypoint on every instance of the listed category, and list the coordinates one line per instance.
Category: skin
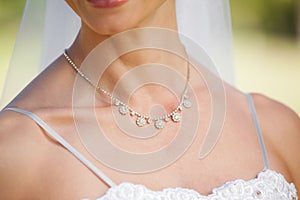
(34, 166)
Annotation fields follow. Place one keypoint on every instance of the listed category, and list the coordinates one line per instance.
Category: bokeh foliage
(10, 10)
(271, 16)
(280, 16)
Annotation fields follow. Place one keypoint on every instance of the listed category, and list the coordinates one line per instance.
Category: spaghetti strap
(65, 144)
(258, 131)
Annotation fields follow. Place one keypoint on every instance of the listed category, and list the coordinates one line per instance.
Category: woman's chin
(111, 28)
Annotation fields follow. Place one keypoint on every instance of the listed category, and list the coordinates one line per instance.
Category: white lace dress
(269, 185)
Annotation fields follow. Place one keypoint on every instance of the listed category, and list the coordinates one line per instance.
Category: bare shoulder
(281, 129)
(24, 147)
(20, 151)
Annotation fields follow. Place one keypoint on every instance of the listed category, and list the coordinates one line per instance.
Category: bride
(188, 133)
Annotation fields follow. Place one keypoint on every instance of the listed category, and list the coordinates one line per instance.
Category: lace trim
(268, 185)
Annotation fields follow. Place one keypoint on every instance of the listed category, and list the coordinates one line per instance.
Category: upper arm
(16, 157)
(281, 130)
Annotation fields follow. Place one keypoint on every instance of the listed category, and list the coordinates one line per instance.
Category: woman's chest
(63, 176)
(235, 156)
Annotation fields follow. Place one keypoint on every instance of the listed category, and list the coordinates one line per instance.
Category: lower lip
(107, 3)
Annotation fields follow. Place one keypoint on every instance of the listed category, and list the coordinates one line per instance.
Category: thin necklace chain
(125, 109)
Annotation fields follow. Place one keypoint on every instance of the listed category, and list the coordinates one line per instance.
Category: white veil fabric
(50, 26)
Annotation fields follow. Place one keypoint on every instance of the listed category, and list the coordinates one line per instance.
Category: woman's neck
(164, 17)
(88, 39)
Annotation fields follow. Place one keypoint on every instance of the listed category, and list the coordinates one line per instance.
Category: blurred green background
(266, 45)
(267, 48)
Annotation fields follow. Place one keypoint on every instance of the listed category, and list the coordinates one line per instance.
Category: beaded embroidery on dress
(269, 185)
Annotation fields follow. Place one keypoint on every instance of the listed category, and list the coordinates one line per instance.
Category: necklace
(125, 109)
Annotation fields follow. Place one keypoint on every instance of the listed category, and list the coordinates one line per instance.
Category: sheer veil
(49, 26)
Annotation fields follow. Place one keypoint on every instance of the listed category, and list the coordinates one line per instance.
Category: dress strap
(258, 131)
(65, 144)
